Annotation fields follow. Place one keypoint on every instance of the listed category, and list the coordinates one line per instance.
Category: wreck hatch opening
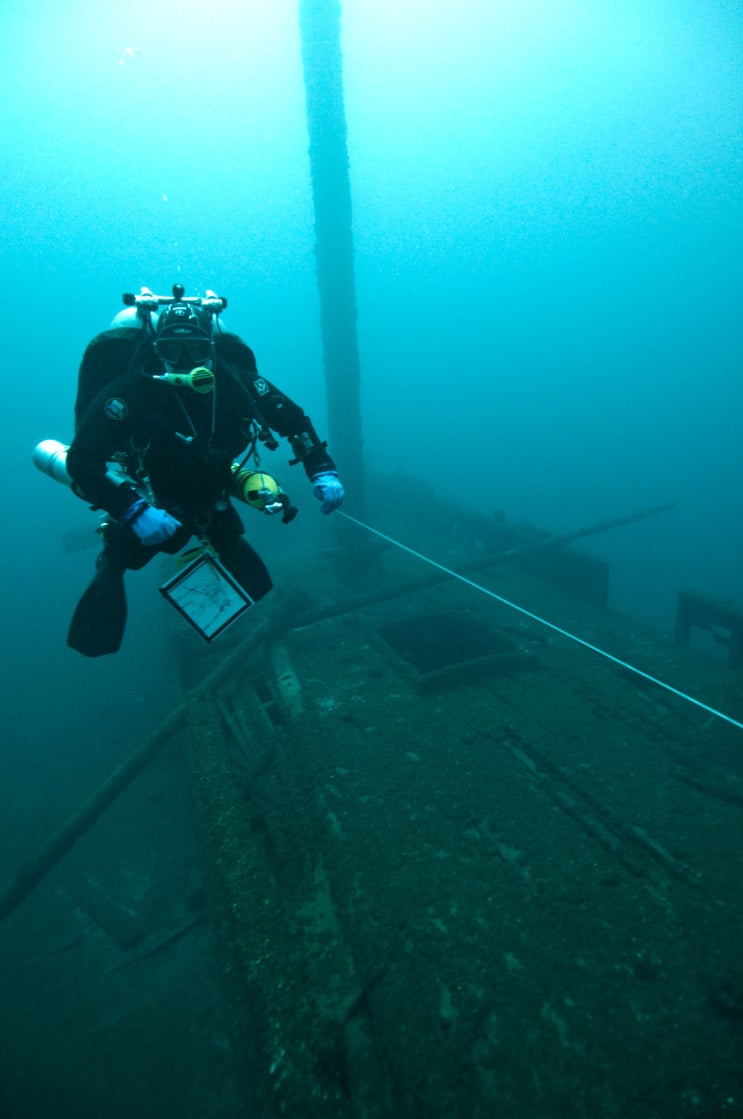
(434, 647)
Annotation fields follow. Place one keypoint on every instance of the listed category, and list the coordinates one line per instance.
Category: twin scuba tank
(255, 488)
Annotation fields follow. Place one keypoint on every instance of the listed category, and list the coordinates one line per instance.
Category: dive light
(261, 491)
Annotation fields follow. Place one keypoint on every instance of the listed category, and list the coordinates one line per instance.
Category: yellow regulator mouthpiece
(199, 379)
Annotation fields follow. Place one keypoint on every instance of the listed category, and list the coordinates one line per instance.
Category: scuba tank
(50, 457)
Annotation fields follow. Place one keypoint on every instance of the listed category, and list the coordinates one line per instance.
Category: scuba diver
(167, 402)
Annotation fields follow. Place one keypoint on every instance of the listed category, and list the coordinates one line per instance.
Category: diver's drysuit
(177, 448)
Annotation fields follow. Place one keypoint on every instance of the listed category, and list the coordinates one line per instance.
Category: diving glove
(327, 488)
(152, 526)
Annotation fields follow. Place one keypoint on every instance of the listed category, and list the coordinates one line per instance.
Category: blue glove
(152, 526)
(328, 489)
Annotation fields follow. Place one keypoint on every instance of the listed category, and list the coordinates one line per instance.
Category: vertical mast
(326, 122)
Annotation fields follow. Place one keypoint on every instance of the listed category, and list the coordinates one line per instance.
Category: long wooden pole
(320, 29)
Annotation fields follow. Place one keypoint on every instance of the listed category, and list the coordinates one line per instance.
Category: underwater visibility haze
(547, 223)
(546, 206)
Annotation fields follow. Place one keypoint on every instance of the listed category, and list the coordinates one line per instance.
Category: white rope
(550, 625)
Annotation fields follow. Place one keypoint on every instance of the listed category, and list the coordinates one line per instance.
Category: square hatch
(436, 649)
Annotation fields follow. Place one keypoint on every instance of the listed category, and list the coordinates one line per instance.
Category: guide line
(550, 625)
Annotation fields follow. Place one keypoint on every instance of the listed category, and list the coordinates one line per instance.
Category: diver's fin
(97, 626)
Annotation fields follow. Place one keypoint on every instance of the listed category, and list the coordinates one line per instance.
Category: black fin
(98, 624)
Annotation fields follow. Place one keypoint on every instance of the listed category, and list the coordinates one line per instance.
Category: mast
(331, 192)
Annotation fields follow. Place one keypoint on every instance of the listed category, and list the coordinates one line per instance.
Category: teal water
(547, 223)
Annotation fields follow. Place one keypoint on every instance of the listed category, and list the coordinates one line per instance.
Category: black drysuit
(184, 444)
